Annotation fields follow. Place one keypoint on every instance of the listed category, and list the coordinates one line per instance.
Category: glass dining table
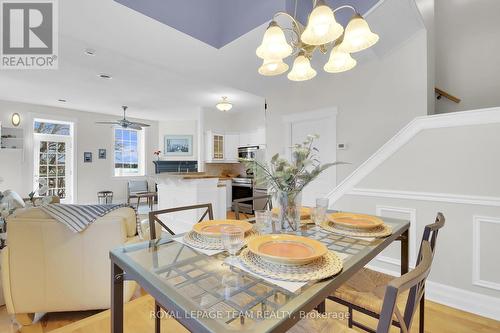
(192, 287)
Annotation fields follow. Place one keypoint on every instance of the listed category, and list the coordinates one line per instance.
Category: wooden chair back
(154, 216)
(413, 280)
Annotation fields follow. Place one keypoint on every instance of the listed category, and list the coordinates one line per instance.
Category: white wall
(453, 170)
(467, 50)
(374, 101)
(178, 127)
(90, 177)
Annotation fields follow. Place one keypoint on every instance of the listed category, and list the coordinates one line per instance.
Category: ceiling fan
(125, 123)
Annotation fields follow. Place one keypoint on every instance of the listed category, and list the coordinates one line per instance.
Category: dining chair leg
(349, 320)
(321, 308)
(421, 319)
(157, 318)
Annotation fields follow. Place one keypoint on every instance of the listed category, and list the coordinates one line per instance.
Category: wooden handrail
(442, 93)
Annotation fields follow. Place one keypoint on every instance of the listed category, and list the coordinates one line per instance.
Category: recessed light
(62, 100)
(89, 52)
(105, 76)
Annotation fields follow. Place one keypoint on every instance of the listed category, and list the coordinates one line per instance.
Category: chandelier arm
(345, 6)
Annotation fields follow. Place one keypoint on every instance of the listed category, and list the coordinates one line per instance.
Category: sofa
(48, 268)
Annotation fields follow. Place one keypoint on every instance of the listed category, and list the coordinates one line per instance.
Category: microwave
(248, 153)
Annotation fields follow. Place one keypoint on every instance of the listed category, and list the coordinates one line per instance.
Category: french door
(53, 164)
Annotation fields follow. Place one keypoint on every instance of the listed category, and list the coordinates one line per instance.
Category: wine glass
(232, 238)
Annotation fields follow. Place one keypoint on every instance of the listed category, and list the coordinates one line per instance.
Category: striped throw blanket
(78, 217)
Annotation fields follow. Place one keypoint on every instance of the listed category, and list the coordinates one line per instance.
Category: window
(129, 152)
(55, 128)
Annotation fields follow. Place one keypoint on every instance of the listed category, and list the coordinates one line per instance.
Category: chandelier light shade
(322, 28)
(358, 36)
(322, 34)
(339, 61)
(301, 70)
(224, 105)
(274, 44)
(273, 67)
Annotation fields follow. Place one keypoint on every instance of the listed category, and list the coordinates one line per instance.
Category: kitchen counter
(193, 175)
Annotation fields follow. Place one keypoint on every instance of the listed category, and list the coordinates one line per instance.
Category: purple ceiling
(219, 22)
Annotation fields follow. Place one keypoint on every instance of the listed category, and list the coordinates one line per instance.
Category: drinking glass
(232, 238)
(322, 202)
(318, 215)
(263, 219)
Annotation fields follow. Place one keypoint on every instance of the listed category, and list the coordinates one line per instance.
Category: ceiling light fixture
(16, 119)
(322, 32)
(224, 105)
(105, 76)
(62, 100)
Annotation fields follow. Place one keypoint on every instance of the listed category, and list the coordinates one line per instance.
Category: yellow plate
(305, 212)
(356, 221)
(213, 228)
(287, 249)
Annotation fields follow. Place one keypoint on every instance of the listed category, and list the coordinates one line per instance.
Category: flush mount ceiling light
(322, 33)
(89, 52)
(224, 105)
(16, 119)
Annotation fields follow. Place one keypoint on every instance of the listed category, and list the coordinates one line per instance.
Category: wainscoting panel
(486, 252)
(391, 255)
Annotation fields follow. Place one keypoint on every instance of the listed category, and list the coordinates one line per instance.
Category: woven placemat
(322, 268)
(379, 232)
(194, 239)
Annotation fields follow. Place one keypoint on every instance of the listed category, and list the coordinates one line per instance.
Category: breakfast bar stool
(411, 284)
(363, 292)
(105, 197)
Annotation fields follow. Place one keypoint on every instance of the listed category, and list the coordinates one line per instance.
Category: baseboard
(479, 304)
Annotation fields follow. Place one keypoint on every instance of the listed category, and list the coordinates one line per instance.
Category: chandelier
(322, 32)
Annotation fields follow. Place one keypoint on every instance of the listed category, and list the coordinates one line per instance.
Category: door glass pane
(61, 147)
(51, 158)
(61, 158)
(43, 146)
(52, 170)
(42, 170)
(52, 167)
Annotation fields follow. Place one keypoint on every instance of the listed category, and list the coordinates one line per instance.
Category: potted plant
(287, 179)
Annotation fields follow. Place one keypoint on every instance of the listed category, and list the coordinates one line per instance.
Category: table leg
(421, 320)
(405, 243)
(138, 202)
(116, 299)
(157, 318)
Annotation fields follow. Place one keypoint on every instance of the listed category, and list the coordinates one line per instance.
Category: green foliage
(291, 177)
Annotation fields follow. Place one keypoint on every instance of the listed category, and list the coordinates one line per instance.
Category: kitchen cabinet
(214, 147)
(229, 194)
(253, 138)
(231, 142)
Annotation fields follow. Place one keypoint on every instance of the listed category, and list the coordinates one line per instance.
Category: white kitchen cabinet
(214, 147)
(231, 142)
(253, 138)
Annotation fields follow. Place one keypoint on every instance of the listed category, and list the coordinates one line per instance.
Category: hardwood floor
(440, 319)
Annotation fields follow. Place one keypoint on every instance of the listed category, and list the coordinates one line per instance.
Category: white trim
(413, 233)
(465, 300)
(476, 252)
(428, 196)
(454, 119)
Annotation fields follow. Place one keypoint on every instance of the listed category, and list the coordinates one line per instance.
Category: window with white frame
(128, 152)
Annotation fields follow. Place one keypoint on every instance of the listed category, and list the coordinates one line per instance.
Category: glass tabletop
(201, 288)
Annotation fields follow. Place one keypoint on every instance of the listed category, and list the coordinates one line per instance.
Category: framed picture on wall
(178, 145)
(102, 154)
(87, 157)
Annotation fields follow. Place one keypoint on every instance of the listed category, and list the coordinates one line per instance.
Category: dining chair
(134, 187)
(362, 291)
(154, 216)
(392, 309)
(237, 203)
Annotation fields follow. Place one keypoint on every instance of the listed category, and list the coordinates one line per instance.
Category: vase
(289, 204)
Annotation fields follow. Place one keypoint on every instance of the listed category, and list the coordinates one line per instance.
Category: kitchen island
(186, 189)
